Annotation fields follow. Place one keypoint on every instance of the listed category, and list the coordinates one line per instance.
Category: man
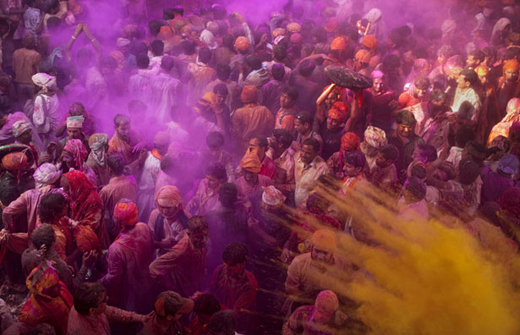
(233, 96)
(286, 114)
(182, 268)
(283, 157)
(303, 126)
(333, 129)
(475, 58)
(236, 287)
(206, 198)
(416, 93)
(308, 167)
(384, 175)
(167, 91)
(169, 308)
(22, 132)
(74, 132)
(206, 305)
(405, 139)
(279, 55)
(200, 74)
(272, 91)
(140, 84)
(435, 127)
(381, 102)
(349, 143)
(261, 145)
(97, 158)
(466, 103)
(73, 157)
(250, 120)
(251, 182)
(128, 280)
(25, 64)
(119, 187)
(254, 73)
(126, 142)
(301, 79)
(508, 85)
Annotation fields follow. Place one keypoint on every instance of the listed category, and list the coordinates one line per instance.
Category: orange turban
(250, 162)
(369, 41)
(278, 32)
(294, 27)
(350, 142)
(482, 70)
(511, 65)
(208, 99)
(14, 161)
(338, 112)
(325, 239)
(165, 33)
(249, 94)
(242, 43)
(363, 56)
(168, 196)
(126, 212)
(339, 43)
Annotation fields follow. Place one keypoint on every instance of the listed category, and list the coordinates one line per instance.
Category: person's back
(308, 89)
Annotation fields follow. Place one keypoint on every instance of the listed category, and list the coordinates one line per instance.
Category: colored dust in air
(426, 277)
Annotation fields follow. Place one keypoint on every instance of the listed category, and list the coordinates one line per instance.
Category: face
(442, 59)
(250, 177)
(331, 98)
(350, 170)
(404, 130)
(123, 130)
(320, 255)
(300, 127)
(483, 79)
(333, 124)
(253, 143)
(307, 154)
(438, 106)
(220, 99)
(511, 75)
(471, 61)
(26, 137)
(213, 183)
(102, 305)
(65, 185)
(67, 160)
(420, 92)
(381, 160)
(286, 101)
(74, 133)
(199, 239)
(377, 86)
(235, 270)
(168, 211)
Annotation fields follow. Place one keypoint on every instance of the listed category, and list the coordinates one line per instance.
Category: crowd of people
(171, 171)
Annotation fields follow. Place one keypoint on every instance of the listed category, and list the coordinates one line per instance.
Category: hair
(254, 62)
(221, 89)
(223, 71)
(422, 82)
(469, 171)
(476, 150)
(305, 118)
(428, 151)
(87, 297)
(390, 152)
(154, 27)
(116, 164)
(418, 171)
(416, 187)
(437, 95)
(168, 14)
(511, 53)
(313, 143)
(307, 68)
(478, 55)
(119, 119)
(291, 92)
(206, 304)
(189, 47)
(463, 135)
(197, 224)
(205, 55)
(284, 137)
(405, 117)
(217, 170)
(279, 52)
(28, 41)
(42, 329)
(356, 159)
(215, 140)
(142, 61)
(470, 76)
(43, 236)
(235, 253)
(178, 10)
(228, 194)
(445, 51)
(278, 72)
(228, 41)
(51, 206)
(262, 141)
(167, 63)
(222, 323)
(167, 163)
(157, 47)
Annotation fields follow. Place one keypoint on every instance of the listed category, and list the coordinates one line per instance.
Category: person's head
(228, 194)
(279, 53)
(178, 11)
(221, 94)
(22, 132)
(259, 143)
(169, 201)
(309, 150)
(43, 237)
(142, 61)
(324, 243)
(167, 64)
(282, 140)
(414, 190)
(475, 58)
(198, 231)
(235, 257)
(157, 47)
(377, 81)
(325, 307)
(278, 72)
(116, 164)
(288, 97)
(215, 142)
(467, 79)
(511, 70)
(75, 127)
(444, 53)
(90, 299)
(422, 84)
(249, 95)
(508, 165)
(336, 117)
(77, 109)
(170, 306)
(437, 101)
(189, 47)
(205, 55)
(387, 155)
(122, 126)
(253, 62)
(303, 123)
(223, 71)
(206, 305)
(353, 164)
(405, 123)
(468, 171)
(463, 135)
(215, 175)
(52, 207)
(425, 153)
(307, 68)
(29, 42)
(222, 323)
(475, 150)
(161, 141)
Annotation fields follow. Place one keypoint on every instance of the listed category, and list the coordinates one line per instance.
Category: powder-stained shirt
(306, 177)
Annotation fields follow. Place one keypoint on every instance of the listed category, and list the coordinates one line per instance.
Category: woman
(46, 107)
(86, 207)
(512, 116)
(96, 160)
(50, 300)
(73, 156)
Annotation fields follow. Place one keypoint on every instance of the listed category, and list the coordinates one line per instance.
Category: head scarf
(363, 56)
(168, 196)
(75, 121)
(45, 81)
(296, 38)
(46, 174)
(122, 42)
(172, 302)
(40, 279)
(272, 196)
(509, 164)
(511, 65)
(80, 188)
(350, 142)
(510, 200)
(208, 99)
(326, 305)
(126, 212)
(338, 43)
(98, 143)
(369, 41)
(325, 239)
(250, 162)
(20, 127)
(15, 161)
(242, 43)
(338, 112)
(249, 94)
(78, 151)
(499, 27)
(278, 32)
(294, 27)
(332, 25)
(375, 137)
